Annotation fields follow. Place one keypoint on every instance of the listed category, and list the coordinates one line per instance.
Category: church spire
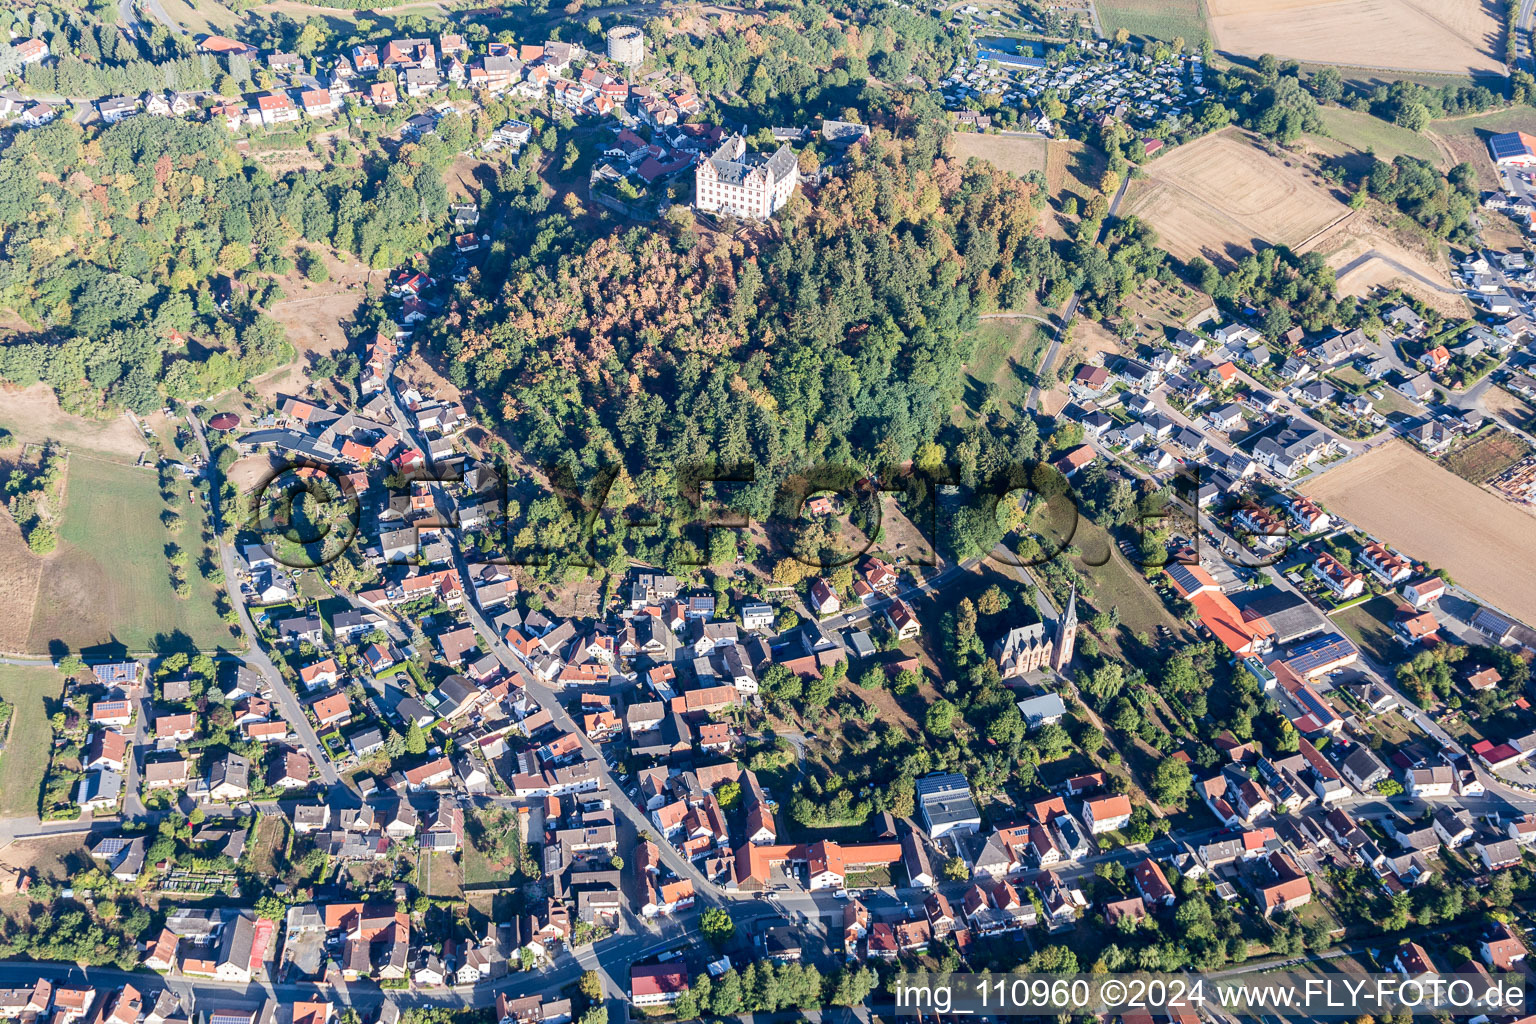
(1066, 634)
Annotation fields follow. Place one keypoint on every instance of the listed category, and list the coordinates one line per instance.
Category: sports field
(109, 580)
(1224, 196)
(25, 757)
(1433, 515)
(1455, 37)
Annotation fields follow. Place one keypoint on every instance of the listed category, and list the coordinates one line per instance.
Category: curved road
(1376, 254)
(255, 657)
(1067, 314)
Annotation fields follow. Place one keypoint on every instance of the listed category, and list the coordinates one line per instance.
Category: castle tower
(1066, 635)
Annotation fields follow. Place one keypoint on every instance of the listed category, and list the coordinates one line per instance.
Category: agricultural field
(25, 757)
(109, 581)
(1073, 166)
(1431, 514)
(1355, 131)
(1225, 196)
(1487, 457)
(1069, 167)
(1453, 37)
(1155, 19)
(1004, 362)
(34, 416)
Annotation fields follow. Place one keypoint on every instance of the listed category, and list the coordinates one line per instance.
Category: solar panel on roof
(1326, 640)
(1314, 704)
(1508, 144)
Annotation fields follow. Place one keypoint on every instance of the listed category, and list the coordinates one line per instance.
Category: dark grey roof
(237, 940)
(1291, 615)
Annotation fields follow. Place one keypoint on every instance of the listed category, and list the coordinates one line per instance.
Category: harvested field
(1487, 457)
(1453, 37)
(109, 580)
(1433, 515)
(1224, 196)
(1070, 168)
(33, 414)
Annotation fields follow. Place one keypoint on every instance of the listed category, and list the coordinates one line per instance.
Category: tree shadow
(174, 642)
(112, 650)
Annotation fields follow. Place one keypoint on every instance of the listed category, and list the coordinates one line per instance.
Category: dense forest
(142, 253)
(804, 58)
(839, 342)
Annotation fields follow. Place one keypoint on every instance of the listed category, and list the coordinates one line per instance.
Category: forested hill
(112, 241)
(840, 342)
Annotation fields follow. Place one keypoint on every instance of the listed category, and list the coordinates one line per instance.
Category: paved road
(130, 18)
(256, 658)
(133, 804)
(705, 890)
(1070, 311)
(612, 957)
(1523, 28)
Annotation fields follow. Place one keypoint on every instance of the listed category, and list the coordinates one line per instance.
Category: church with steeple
(1025, 649)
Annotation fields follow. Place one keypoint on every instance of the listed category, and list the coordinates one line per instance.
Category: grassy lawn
(1467, 137)
(1369, 625)
(439, 875)
(1155, 19)
(1117, 585)
(25, 757)
(477, 869)
(1348, 376)
(109, 580)
(1005, 358)
(1391, 402)
(1514, 119)
(1366, 133)
(202, 17)
(267, 842)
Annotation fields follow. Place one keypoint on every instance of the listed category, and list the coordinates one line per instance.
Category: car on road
(840, 894)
